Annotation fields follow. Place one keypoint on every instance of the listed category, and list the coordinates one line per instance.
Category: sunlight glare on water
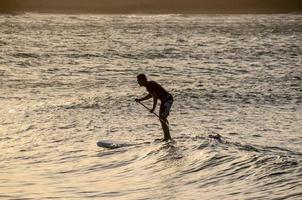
(69, 81)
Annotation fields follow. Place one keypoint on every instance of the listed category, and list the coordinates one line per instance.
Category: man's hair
(142, 77)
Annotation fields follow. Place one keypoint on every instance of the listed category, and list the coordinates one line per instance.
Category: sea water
(68, 81)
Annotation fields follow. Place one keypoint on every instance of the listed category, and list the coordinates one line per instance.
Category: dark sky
(152, 6)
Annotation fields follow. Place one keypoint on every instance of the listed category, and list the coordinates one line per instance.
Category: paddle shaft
(153, 113)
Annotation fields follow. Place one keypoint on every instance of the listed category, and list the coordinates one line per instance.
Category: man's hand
(137, 100)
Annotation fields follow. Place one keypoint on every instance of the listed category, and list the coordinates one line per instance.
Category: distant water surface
(68, 81)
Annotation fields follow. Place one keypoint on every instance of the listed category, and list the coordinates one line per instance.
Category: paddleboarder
(156, 91)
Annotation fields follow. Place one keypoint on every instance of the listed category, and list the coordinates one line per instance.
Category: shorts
(165, 107)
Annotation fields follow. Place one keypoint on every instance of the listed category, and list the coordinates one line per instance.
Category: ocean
(69, 81)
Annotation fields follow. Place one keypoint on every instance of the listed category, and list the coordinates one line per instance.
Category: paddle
(153, 113)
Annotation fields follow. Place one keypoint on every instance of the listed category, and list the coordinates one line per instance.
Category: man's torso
(156, 89)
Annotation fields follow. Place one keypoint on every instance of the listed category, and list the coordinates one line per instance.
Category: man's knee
(163, 119)
(163, 115)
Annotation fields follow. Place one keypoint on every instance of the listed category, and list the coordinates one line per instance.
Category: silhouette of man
(157, 92)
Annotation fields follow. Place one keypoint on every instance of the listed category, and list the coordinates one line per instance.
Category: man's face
(141, 82)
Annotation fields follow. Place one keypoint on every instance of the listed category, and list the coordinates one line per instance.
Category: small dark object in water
(216, 137)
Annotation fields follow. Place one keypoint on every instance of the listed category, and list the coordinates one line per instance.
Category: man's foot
(164, 140)
(167, 139)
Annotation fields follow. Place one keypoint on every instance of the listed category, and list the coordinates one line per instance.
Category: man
(157, 92)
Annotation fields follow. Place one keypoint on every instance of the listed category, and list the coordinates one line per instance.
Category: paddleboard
(109, 144)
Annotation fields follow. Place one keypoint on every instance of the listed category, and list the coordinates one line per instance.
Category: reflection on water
(70, 81)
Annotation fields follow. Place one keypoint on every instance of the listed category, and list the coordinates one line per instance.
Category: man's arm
(154, 104)
(149, 96)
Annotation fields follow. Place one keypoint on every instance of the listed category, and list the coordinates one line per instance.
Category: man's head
(142, 79)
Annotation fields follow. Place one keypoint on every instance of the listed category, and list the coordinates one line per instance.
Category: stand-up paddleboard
(109, 144)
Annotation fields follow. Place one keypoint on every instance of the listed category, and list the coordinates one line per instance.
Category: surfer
(157, 92)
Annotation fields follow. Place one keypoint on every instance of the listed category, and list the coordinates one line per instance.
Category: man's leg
(165, 128)
(163, 114)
